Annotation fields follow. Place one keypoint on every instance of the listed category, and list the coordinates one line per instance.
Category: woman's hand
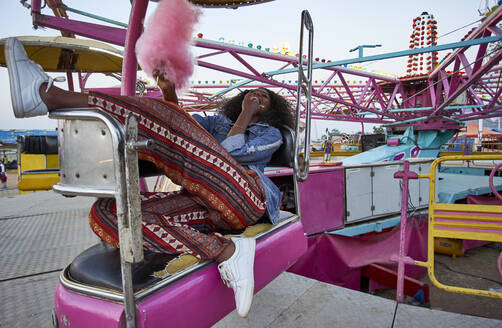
(166, 86)
(254, 105)
(251, 107)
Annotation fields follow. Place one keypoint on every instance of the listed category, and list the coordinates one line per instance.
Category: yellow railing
(461, 221)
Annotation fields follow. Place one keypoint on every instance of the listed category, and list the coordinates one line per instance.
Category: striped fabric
(219, 195)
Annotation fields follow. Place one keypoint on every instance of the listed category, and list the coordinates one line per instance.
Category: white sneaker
(237, 273)
(25, 77)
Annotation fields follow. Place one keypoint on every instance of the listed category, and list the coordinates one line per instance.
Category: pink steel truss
(459, 89)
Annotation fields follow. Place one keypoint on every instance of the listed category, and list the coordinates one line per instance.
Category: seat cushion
(284, 156)
(99, 266)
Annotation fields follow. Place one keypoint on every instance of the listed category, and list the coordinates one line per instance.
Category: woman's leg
(186, 153)
(199, 171)
(192, 158)
(172, 223)
(57, 98)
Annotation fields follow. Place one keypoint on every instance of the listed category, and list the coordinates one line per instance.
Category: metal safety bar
(460, 221)
(98, 157)
(301, 165)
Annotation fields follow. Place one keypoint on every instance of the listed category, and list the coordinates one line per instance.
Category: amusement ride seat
(99, 266)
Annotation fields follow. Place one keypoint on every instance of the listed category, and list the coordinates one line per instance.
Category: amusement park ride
(325, 204)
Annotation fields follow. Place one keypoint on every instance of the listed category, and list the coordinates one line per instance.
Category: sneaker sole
(253, 252)
(17, 102)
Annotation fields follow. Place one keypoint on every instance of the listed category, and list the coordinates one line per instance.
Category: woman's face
(263, 99)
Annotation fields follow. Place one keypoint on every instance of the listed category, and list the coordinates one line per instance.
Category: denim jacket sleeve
(207, 122)
(258, 148)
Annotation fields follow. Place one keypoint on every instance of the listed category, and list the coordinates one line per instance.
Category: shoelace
(226, 275)
(51, 80)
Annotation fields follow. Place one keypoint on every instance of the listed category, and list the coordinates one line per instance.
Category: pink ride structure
(115, 289)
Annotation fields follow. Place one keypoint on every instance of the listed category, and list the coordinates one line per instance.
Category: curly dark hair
(280, 112)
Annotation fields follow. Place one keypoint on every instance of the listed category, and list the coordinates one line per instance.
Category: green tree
(333, 132)
(378, 130)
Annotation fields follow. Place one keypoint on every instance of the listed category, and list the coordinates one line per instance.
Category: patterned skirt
(219, 195)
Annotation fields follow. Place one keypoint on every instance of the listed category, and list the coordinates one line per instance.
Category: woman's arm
(258, 149)
(167, 87)
(251, 112)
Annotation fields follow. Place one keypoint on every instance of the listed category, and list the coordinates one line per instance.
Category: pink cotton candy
(165, 43)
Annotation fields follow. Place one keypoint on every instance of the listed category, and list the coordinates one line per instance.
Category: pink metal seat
(91, 286)
(195, 297)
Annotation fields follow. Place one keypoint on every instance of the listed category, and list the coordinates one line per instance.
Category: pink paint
(78, 310)
(199, 300)
(94, 31)
(458, 213)
(130, 63)
(322, 200)
(392, 142)
(35, 6)
(469, 229)
(470, 244)
(166, 42)
(469, 221)
(405, 175)
(338, 260)
(414, 152)
(490, 181)
(202, 299)
(399, 156)
(483, 200)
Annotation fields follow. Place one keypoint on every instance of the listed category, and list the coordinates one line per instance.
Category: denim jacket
(252, 149)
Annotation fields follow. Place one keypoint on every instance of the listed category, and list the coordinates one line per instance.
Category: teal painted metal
(370, 58)
(361, 229)
(365, 113)
(230, 88)
(361, 47)
(423, 144)
(406, 121)
(452, 120)
(101, 18)
(463, 170)
(447, 46)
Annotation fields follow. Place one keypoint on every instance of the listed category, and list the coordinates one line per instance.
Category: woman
(218, 160)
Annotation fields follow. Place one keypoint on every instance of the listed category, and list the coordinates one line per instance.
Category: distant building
(8, 138)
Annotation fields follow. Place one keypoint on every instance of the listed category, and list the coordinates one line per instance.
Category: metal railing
(460, 221)
(301, 165)
(98, 157)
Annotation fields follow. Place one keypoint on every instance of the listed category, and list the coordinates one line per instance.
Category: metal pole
(405, 175)
(130, 63)
(305, 87)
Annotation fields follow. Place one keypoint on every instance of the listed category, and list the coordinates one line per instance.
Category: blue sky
(339, 27)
